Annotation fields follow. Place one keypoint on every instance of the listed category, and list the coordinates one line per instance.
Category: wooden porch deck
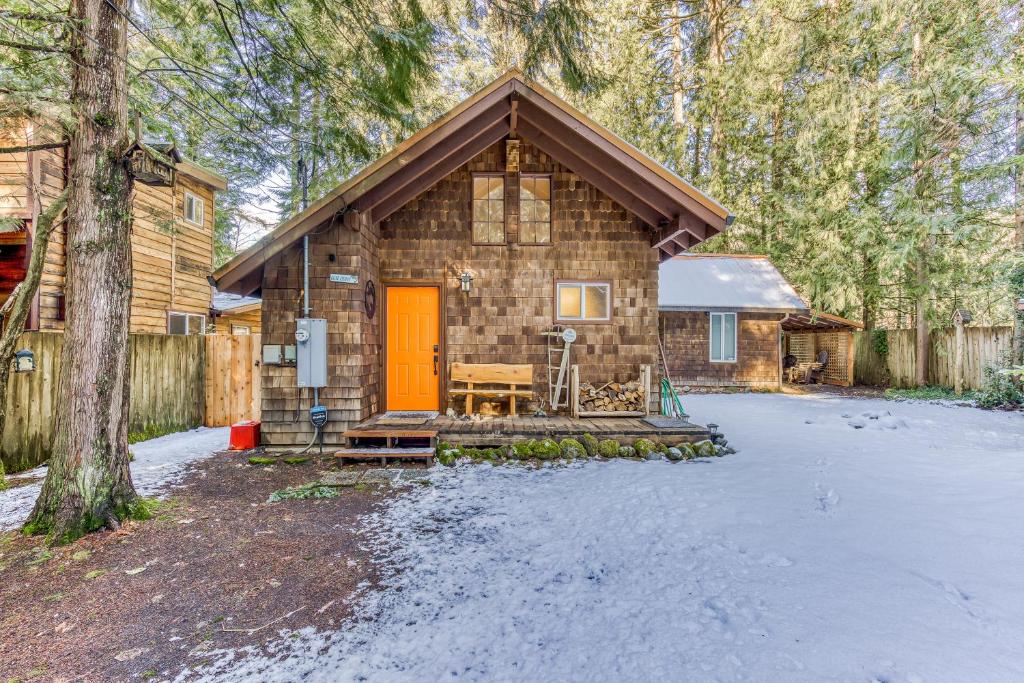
(506, 430)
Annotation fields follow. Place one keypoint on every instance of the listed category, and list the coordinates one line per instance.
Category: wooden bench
(507, 377)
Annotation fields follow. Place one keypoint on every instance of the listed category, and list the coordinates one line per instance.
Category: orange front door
(413, 337)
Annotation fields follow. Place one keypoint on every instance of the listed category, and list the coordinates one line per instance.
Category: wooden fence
(177, 382)
(983, 347)
(232, 378)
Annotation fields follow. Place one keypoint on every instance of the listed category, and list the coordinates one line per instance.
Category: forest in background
(870, 147)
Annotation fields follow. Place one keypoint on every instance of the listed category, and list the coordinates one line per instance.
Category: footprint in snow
(774, 560)
(857, 423)
(827, 500)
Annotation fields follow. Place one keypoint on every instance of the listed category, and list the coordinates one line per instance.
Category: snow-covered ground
(158, 463)
(848, 540)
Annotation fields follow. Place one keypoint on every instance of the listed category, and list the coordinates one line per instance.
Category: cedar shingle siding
(499, 321)
(687, 348)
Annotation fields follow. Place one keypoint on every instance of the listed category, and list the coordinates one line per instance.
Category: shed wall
(685, 335)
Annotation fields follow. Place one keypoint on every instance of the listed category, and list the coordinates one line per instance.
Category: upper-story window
(193, 209)
(535, 209)
(488, 209)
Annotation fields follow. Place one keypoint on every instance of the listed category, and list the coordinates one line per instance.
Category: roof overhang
(244, 308)
(203, 175)
(732, 309)
(816, 321)
(678, 215)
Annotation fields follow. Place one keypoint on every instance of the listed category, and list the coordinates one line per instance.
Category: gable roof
(678, 214)
(705, 282)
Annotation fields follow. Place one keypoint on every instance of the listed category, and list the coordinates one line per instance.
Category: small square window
(535, 209)
(583, 301)
(193, 209)
(240, 329)
(488, 209)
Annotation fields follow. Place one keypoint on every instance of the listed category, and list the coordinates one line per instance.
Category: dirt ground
(218, 566)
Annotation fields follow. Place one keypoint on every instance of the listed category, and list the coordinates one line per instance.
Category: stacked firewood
(612, 397)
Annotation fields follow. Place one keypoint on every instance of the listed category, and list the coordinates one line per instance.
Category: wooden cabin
(729, 320)
(512, 217)
(235, 314)
(172, 236)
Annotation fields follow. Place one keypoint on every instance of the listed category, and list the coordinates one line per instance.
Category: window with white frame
(193, 209)
(723, 337)
(240, 329)
(583, 301)
(185, 323)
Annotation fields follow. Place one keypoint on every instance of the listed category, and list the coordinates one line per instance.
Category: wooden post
(960, 318)
(645, 383)
(469, 399)
(512, 401)
(574, 391)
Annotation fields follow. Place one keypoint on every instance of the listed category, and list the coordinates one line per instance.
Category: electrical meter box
(311, 352)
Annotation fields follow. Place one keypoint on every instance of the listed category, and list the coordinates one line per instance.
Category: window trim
(583, 303)
(504, 206)
(196, 201)
(551, 209)
(736, 340)
(187, 317)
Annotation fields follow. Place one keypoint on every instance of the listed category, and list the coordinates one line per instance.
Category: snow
(159, 463)
(847, 540)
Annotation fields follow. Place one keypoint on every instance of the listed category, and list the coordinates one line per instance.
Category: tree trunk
(88, 484)
(678, 112)
(922, 284)
(1017, 290)
(716, 63)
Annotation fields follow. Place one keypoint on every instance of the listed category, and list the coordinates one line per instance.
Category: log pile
(612, 397)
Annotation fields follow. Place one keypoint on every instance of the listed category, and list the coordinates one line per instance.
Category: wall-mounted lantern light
(713, 430)
(24, 361)
(465, 281)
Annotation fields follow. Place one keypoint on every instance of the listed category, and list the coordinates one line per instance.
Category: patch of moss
(590, 442)
(704, 449)
(95, 574)
(81, 555)
(608, 448)
(523, 450)
(644, 447)
(40, 558)
(660, 448)
(296, 460)
(305, 492)
(547, 449)
(152, 431)
(571, 449)
(627, 452)
(262, 460)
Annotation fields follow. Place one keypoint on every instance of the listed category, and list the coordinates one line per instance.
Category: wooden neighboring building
(727, 320)
(544, 216)
(172, 236)
(235, 314)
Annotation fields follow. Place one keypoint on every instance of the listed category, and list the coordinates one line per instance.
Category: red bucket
(245, 435)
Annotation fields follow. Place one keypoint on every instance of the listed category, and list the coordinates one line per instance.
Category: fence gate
(232, 378)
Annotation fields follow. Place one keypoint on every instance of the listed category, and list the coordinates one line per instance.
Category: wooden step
(367, 452)
(383, 432)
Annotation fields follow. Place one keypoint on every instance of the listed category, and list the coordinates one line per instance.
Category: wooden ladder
(558, 375)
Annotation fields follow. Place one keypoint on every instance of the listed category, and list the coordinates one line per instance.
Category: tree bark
(678, 112)
(922, 284)
(716, 17)
(1017, 290)
(88, 484)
